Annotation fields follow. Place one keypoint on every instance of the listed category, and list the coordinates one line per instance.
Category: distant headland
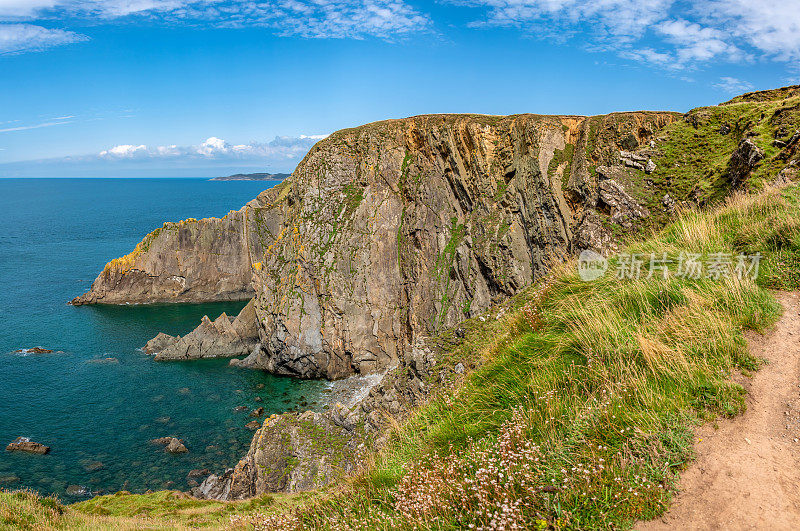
(253, 177)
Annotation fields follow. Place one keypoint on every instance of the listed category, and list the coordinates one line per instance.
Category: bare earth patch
(747, 472)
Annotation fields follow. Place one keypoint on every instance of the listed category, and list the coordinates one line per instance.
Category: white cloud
(666, 33)
(696, 43)
(19, 38)
(732, 85)
(19, 9)
(215, 148)
(124, 151)
(620, 19)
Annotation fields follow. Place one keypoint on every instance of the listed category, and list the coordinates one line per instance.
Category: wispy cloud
(732, 85)
(35, 126)
(666, 33)
(384, 19)
(20, 38)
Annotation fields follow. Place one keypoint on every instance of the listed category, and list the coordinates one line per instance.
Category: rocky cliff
(190, 261)
(388, 234)
(397, 229)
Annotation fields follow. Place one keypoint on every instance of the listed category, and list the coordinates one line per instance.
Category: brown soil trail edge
(747, 472)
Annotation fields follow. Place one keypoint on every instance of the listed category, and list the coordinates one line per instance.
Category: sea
(97, 400)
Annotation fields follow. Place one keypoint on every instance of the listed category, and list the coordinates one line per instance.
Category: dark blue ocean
(96, 415)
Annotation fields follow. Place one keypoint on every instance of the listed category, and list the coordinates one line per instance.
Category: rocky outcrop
(393, 231)
(221, 338)
(24, 444)
(743, 161)
(624, 209)
(295, 452)
(289, 453)
(33, 350)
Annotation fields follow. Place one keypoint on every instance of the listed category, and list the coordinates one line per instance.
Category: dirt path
(747, 472)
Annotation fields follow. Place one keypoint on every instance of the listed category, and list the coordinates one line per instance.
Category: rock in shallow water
(172, 445)
(23, 444)
(8, 479)
(78, 490)
(175, 446)
(33, 350)
(198, 473)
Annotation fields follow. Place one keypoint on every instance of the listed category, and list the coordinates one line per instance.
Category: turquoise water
(98, 415)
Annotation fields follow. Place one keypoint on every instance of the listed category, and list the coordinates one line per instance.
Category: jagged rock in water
(221, 338)
(175, 446)
(24, 444)
(743, 161)
(392, 231)
(160, 342)
(33, 350)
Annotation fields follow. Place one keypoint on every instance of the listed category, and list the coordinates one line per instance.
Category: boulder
(198, 473)
(171, 445)
(78, 490)
(633, 160)
(253, 425)
(175, 446)
(257, 412)
(24, 444)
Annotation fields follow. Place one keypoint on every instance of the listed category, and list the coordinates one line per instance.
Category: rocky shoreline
(293, 452)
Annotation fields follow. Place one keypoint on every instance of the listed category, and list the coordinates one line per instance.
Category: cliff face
(396, 229)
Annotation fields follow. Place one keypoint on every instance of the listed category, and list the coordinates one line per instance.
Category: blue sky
(179, 88)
